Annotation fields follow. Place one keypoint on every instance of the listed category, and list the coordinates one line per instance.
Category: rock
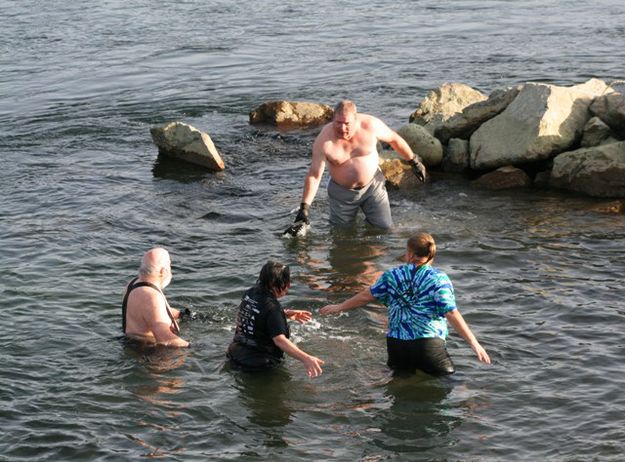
(504, 178)
(463, 124)
(595, 132)
(610, 108)
(541, 180)
(542, 121)
(442, 103)
(398, 174)
(286, 114)
(456, 156)
(598, 171)
(610, 207)
(185, 142)
(423, 144)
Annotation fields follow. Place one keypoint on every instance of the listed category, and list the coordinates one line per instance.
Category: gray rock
(442, 103)
(423, 144)
(595, 133)
(542, 121)
(187, 143)
(456, 156)
(287, 114)
(598, 171)
(463, 124)
(398, 174)
(506, 177)
(610, 108)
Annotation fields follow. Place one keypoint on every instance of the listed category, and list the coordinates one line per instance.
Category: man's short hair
(345, 106)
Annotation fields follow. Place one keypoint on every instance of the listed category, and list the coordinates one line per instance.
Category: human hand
(418, 169)
(330, 309)
(187, 313)
(481, 353)
(302, 214)
(300, 316)
(313, 366)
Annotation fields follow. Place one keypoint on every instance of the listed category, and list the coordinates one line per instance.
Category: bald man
(146, 315)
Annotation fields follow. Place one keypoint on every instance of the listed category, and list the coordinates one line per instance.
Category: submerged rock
(597, 171)
(504, 178)
(182, 141)
(286, 114)
(542, 121)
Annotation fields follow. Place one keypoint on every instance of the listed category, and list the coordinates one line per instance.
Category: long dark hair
(274, 276)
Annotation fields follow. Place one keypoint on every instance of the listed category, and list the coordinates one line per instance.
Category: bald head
(154, 261)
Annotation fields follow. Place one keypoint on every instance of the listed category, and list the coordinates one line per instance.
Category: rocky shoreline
(530, 135)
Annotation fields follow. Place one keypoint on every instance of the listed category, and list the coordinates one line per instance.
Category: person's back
(146, 315)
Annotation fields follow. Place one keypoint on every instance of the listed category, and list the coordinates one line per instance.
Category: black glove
(302, 214)
(187, 313)
(417, 168)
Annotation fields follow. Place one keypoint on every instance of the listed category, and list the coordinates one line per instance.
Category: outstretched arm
(384, 133)
(459, 324)
(300, 316)
(313, 364)
(361, 298)
(315, 172)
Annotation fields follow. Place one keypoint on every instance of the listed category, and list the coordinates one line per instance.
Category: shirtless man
(146, 315)
(348, 145)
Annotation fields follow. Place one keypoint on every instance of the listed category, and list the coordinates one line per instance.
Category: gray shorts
(371, 198)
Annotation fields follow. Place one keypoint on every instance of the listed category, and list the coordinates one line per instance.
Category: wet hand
(302, 214)
(330, 309)
(300, 316)
(313, 366)
(418, 169)
(481, 353)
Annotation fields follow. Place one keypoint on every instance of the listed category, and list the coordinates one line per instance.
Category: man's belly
(355, 173)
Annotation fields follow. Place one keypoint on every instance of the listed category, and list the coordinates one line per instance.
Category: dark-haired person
(146, 315)
(262, 333)
(348, 146)
(420, 300)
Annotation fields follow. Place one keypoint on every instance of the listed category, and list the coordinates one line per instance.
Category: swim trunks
(371, 198)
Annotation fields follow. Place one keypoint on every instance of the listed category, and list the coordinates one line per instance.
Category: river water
(538, 275)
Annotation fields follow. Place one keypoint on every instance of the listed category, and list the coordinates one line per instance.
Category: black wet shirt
(260, 318)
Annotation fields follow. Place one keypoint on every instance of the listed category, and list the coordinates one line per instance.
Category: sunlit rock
(423, 144)
(542, 121)
(286, 114)
(398, 174)
(596, 171)
(506, 177)
(187, 143)
(444, 102)
(464, 123)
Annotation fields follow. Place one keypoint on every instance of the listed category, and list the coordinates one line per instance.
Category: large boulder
(456, 156)
(287, 114)
(595, 133)
(610, 108)
(542, 121)
(423, 144)
(185, 142)
(506, 177)
(442, 103)
(463, 124)
(598, 171)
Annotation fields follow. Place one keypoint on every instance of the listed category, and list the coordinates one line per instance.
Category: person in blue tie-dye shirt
(420, 301)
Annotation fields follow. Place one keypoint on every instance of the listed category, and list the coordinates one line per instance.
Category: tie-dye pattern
(417, 301)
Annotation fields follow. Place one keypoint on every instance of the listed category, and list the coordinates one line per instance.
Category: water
(538, 275)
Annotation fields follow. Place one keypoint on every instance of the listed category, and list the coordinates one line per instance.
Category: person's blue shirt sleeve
(444, 297)
(379, 290)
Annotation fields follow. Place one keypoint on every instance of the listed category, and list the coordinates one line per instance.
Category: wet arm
(459, 324)
(399, 145)
(313, 364)
(360, 299)
(315, 172)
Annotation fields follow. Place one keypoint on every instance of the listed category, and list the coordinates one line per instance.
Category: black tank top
(133, 286)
